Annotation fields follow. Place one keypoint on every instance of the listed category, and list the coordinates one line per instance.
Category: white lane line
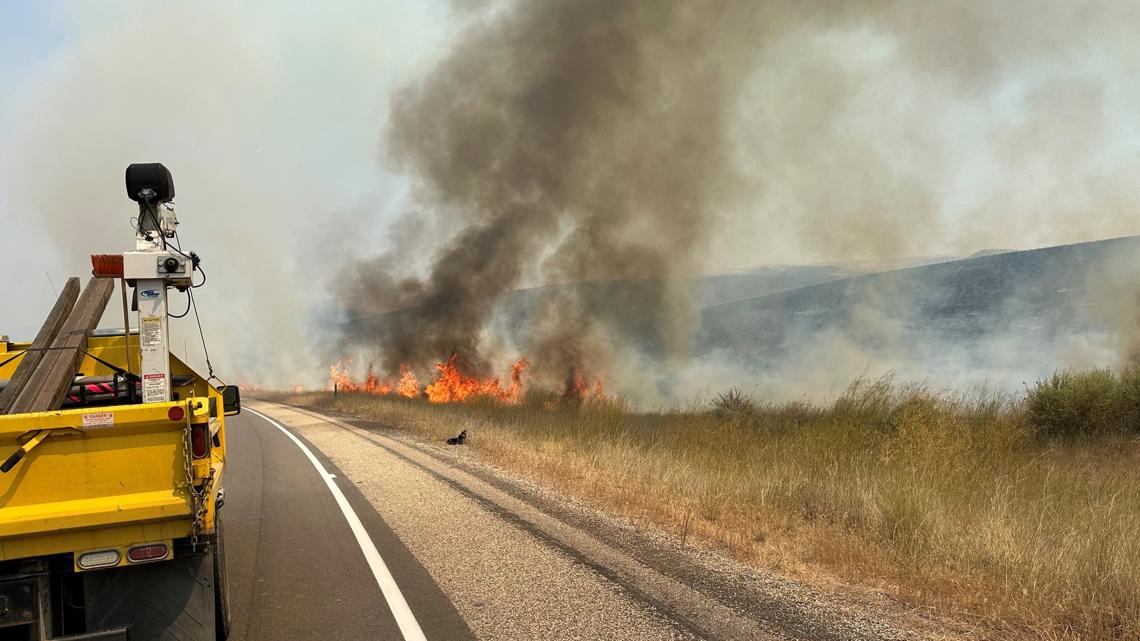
(409, 627)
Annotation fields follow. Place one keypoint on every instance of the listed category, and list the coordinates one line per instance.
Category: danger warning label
(154, 388)
(98, 420)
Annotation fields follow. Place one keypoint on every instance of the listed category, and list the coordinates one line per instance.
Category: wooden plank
(35, 354)
(50, 382)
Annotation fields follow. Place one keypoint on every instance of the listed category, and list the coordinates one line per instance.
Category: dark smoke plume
(576, 140)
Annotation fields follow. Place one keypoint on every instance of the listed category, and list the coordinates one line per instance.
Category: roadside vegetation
(1020, 513)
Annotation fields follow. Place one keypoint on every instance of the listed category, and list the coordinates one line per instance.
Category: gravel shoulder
(520, 561)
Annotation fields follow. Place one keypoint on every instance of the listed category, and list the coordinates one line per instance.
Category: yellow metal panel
(127, 465)
(142, 451)
(211, 506)
(92, 485)
(152, 416)
(77, 514)
(64, 542)
(10, 355)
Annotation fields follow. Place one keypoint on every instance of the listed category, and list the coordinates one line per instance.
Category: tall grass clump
(733, 402)
(1096, 402)
(1022, 511)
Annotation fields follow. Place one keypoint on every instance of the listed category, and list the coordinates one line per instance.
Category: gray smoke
(582, 140)
(568, 142)
(256, 108)
(560, 142)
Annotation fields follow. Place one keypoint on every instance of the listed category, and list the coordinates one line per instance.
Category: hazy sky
(268, 114)
(916, 129)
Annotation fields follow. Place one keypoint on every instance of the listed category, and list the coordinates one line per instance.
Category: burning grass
(451, 384)
(980, 505)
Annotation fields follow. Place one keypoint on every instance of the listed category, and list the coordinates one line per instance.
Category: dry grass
(964, 504)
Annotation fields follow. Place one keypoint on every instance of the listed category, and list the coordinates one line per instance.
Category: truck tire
(221, 584)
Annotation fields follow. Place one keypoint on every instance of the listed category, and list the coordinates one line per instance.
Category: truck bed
(105, 476)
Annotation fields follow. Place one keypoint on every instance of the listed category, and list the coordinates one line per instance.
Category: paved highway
(296, 569)
(340, 529)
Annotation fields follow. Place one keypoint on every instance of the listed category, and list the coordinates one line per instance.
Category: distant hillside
(1004, 316)
(621, 303)
(1037, 291)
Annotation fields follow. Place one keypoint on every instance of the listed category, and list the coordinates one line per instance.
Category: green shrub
(1084, 403)
(1128, 397)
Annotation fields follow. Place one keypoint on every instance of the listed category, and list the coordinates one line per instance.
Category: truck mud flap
(18, 602)
(168, 601)
(122, 634)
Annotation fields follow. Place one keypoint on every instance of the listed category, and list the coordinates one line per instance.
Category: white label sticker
(151, 332)
(154, 388)
(98, 420)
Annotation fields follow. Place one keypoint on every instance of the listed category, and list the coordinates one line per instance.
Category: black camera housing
(153, 176)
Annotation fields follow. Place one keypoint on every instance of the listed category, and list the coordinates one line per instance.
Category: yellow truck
(110, 504)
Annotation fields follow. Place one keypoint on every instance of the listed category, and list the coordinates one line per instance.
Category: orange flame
(409, 386)
(452, 386)
(342, 381)
(578, 388)
(339, 378)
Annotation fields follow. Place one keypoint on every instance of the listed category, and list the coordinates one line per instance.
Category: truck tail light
(99, 559)
(148, 552)
(200, 440)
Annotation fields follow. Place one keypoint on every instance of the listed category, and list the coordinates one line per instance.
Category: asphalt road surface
(424, 542)
(295, 568)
